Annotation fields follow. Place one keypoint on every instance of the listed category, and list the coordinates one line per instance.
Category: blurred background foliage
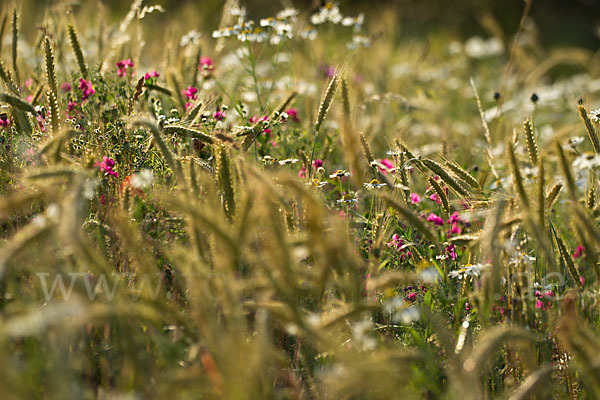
(560, 22)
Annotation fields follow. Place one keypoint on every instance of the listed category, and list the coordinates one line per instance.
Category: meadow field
(309, 203)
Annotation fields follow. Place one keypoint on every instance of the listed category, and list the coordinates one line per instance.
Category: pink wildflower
(86, 88)
(435, 198)
(66, 87)
(71, 104)
(4, 121)
(219, 115)
(255, 119)
(455, 229)
(302, 173)
(415, 198)
(578, 251)
(122, 67)
(190, 92)
(435, 219)
(106, 165)
(396, 243)
(451, 252)
(206, 63)
(317, 163)
(386, 166)
(293, 114)
(152, 74)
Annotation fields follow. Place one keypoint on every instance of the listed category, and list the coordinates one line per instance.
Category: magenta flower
(435, 198)
(547, 296)
(86, 88)
(66, 87)
(451, 252)
(293, 114)
(455, 229)
(578, 251)
(122, 67)
(327, 71)
(106, 165)
(386, 166)
(317, 163)
(255, 119)
(396, 243)
(152, 74)
(190, 92)
(435, 219)
(4, 121)
(302, 173)
(71, 104)
(412, 296)
(415, 198)
(219, 115)
(206, 63)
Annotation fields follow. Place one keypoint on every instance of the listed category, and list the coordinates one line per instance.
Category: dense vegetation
(295, 207)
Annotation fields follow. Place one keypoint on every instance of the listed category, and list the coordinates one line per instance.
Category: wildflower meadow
(297, 201)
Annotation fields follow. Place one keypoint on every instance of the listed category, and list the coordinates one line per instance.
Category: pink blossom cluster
(451, 252)
(4, 121)
(190, 93)
(255, 119)
(206, 63)
(396, 243)
(544, 300)
(435, 219)
(293, 114)
(106, 165)
(219, 115)
(415, 198)
(386, 165)
(122, 67)
(86, 88)
(412, 292)
(578, 251)
(152, 74)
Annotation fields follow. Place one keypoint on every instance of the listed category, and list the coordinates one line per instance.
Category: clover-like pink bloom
(123, 65)
(255, 119)
(86, 88)
(435, 198)
(578, 251)
(293, 114)
(206, 63)
(190, 92)
(106, 165)
(66, 87)
(415, 198)
(435, 219)
(152, 74)
(219, 115)
(386, 166)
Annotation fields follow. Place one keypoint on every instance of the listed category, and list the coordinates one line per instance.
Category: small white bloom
(288, 161)
(340, 173)
(374, 184)
(586, 161)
